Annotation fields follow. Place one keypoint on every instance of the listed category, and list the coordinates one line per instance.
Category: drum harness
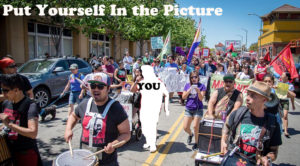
(95, 116)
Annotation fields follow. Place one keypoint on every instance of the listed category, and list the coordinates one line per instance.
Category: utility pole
(246, 36)
(241, 43)
(253, 14)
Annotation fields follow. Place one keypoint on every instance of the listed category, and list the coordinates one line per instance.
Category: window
(99, 45)
(31, 46)
(79, 63)
(40, 41)
(62, 64)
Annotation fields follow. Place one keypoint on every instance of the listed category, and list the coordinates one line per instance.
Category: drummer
(97, 132)
(20, 116)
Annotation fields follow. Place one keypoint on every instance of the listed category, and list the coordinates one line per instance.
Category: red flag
(284, 62)
(267, 57)
(230, 48)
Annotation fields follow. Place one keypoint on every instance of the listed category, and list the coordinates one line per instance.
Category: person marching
(286, 77)
(74, 84)
(224, 100)
(120, 75)
(194, 92)
(251, 130)
(20, 116)
(104, 121)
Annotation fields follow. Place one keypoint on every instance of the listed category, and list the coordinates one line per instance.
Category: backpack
(79, 76)
(270, 125)
(232, 100)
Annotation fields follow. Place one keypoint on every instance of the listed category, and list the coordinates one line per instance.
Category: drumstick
(102, 150)
(70, 147)
(214, 154)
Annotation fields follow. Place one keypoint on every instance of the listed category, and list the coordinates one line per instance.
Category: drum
(5, 156)
(210, 134)
(237, 159)
(77, 159)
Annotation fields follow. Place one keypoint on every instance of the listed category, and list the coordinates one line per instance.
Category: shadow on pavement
(283, 164)
(294, 113)
(47, 152)
(161, 133)
(292, 131)
(177, 147)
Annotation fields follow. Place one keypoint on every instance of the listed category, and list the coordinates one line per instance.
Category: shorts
(193, 113)
(74, 97)
(285, 104)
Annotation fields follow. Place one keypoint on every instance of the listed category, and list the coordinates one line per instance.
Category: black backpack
(232, 100)
(270, 124)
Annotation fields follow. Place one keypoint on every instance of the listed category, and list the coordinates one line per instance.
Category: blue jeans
(193, 113)
(74, 97)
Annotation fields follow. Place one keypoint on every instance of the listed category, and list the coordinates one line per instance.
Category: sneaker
(146, 146)
(153, 149)
(190, 137)
(65, 120)
(195, 147)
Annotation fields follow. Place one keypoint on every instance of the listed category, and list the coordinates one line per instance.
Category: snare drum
(5, 156)
(77, 159)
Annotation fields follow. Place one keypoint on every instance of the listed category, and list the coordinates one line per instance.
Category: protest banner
(282, 90)
(218, 82)
(157, 42)
(128, 109)
(176, 82)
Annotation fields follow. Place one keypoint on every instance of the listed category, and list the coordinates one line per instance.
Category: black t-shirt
(102, 133)
(250, 131)
(19, 113)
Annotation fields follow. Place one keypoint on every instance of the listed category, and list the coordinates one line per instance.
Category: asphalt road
(172, 147)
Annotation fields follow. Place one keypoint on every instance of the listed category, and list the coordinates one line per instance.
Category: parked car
(49, 77)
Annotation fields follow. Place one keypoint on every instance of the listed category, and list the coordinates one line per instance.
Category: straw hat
(260, 88)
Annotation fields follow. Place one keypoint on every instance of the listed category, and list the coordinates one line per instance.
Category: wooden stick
(214, 154)
(70, 147)
(102, 150)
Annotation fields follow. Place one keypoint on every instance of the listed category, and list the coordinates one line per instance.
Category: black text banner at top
(99, 10)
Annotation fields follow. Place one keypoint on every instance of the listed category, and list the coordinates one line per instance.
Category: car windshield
(41, 66)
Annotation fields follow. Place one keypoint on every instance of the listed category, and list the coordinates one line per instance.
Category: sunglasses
(12, 66)
(230, 82)
(194, 77)
(5, 90)
(99, 86)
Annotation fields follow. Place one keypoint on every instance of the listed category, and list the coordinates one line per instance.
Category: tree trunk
(141, 48)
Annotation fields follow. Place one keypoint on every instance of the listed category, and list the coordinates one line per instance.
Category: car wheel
(42, 96)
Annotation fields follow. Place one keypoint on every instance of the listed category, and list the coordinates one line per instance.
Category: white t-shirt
(127, 60)
(243, 76)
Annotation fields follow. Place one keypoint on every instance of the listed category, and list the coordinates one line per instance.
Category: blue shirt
(74, 83)
(171, 65)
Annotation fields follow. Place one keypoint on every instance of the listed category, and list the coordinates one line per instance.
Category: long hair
(194, 73)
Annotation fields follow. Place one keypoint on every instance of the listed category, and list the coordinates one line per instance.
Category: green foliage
(253, 47)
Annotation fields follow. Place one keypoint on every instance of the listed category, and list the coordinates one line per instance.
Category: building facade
(280, 26)
(26, 38)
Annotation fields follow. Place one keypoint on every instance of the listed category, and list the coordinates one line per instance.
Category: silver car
(48, 77)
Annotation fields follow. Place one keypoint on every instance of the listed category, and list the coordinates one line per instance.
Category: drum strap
(95, 116)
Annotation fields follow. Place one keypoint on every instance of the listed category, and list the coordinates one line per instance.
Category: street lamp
(241, 43)
(253, 14)
(243, 29)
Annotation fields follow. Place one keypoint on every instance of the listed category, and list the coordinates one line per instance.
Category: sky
(235, 17)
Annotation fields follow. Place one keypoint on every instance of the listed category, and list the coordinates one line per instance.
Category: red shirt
(262, 71)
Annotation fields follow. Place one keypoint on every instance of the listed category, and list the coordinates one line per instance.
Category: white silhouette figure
(152, 91)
